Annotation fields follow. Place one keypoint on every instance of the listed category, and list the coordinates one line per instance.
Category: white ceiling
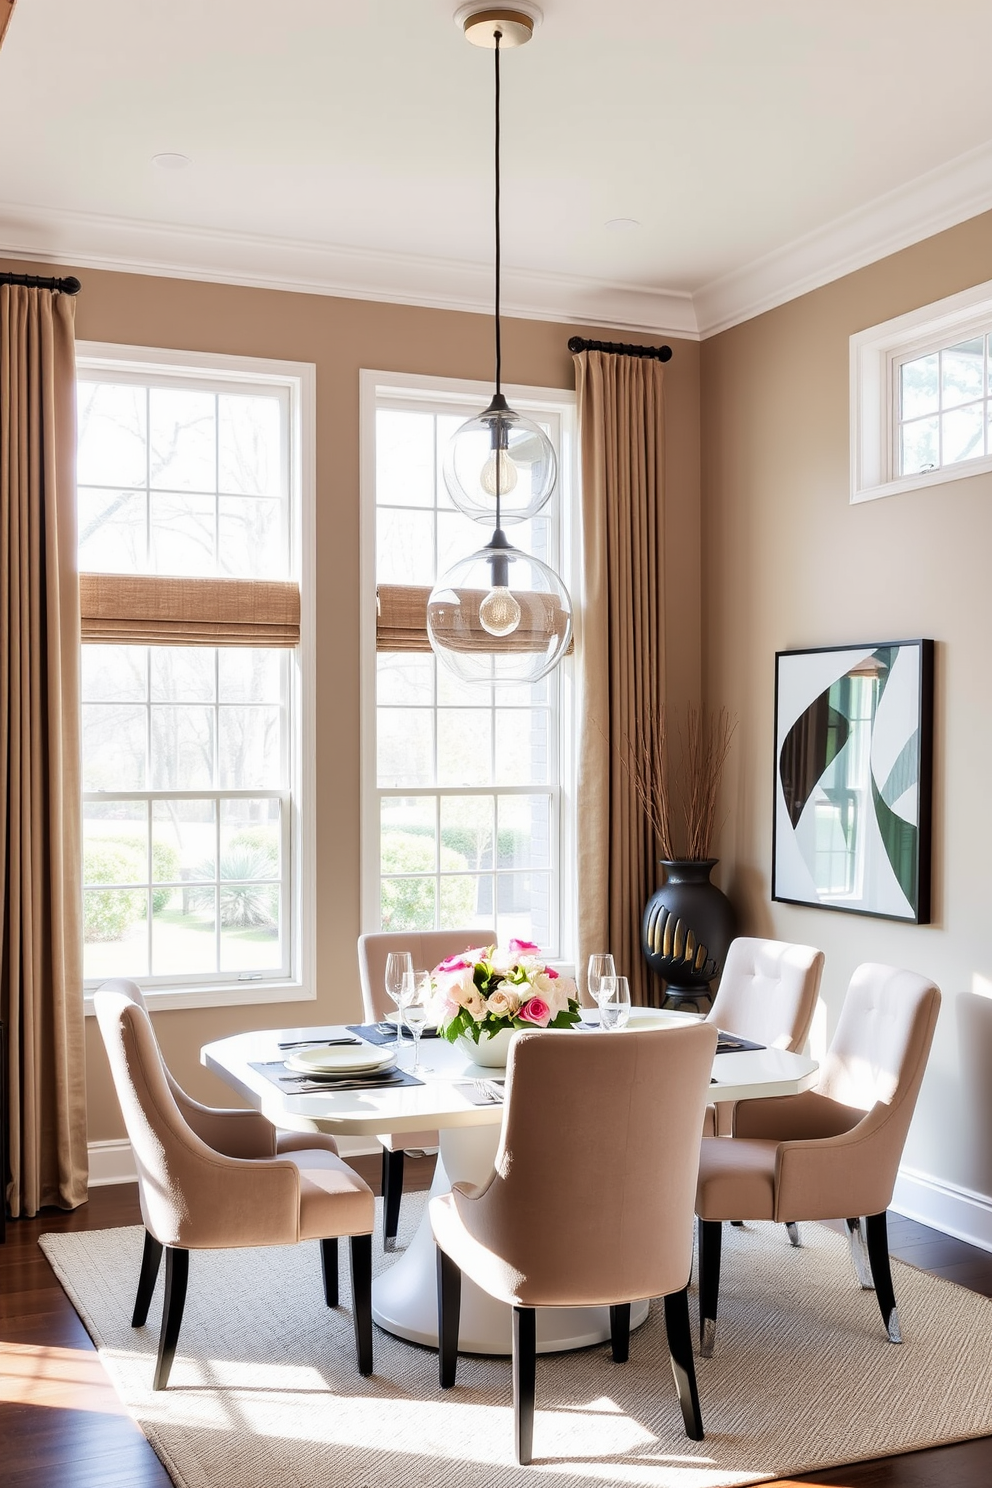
(345, 145)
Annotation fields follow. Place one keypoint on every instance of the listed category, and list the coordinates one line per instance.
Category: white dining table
(404, 1295)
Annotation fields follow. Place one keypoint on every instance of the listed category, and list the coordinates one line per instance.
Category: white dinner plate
(341, 1061)
(661, 1018)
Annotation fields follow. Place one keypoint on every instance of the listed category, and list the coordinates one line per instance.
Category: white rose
(504, 1002)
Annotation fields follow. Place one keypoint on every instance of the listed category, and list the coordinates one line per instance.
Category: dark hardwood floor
(61, 1422)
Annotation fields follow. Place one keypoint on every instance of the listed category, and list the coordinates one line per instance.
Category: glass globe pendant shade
(500, 467)
(499, 616)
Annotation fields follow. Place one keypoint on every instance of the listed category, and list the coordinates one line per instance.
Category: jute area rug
(264, 1392)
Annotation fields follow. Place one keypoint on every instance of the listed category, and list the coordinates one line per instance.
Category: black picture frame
(853, 779)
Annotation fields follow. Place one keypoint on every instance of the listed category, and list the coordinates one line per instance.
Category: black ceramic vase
(687, 929)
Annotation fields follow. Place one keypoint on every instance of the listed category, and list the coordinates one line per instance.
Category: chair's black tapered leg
(524, 1380)
(329, 1268)
(176, 1277)
(679, 1333)
(620, 1331)
(710, 1242)
(449, 1305)
(878, 1256)
(150, 1258)
(392, 1192)
(361, 1299)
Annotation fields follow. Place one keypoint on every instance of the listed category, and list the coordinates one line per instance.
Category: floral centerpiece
(489, 991)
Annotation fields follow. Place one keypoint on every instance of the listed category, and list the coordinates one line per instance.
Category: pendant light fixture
(500, 615)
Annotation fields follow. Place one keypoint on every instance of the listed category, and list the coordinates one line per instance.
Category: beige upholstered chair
(590, 1200)
(194, 1197)
(832, 1152)
(767, 994)
(235, 1133)
(427, 948)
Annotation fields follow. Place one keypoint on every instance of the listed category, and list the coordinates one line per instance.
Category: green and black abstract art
(853, 752)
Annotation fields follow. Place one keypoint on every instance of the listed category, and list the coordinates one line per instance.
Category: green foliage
(464, 1023)
(408, 903)
(165, 865)
(243, 905)
(264, 838)
(108, 914)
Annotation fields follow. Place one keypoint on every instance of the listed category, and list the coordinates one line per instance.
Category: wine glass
(415, 1002)
(600, 965)
(614, 1003)
(398, 965)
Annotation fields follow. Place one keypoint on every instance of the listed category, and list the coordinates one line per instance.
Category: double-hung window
(193, 515)
(467, 796)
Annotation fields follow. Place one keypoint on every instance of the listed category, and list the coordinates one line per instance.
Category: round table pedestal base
(404, 1298)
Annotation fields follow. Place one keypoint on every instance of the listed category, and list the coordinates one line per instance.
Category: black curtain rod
(70, 286)
(618, 348)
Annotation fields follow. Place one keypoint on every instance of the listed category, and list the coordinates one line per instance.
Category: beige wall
(789, 562)
(341, 336)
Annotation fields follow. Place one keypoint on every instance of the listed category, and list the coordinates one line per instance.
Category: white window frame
(133, 363)
(373, 387)
(875, 356)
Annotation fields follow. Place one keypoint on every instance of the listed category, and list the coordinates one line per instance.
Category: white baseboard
(956, 1211)
(113, 1162)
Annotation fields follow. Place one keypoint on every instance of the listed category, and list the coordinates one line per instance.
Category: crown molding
(929, 204)
(124, 245)
(937, 200)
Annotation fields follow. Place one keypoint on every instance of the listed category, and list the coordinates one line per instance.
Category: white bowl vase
(490, 1051)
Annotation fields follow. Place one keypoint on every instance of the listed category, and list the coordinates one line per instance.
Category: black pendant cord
(497, 37)
(499, 348)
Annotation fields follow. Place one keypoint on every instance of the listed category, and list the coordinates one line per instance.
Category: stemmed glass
(600, 966)
(416, 999)
(614, 1003)
(398, 965)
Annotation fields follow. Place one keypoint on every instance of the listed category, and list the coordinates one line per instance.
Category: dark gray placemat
(385, 1032)
(732, 1043)
(294, 1082)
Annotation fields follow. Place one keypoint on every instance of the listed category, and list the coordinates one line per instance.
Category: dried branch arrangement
(679, 799)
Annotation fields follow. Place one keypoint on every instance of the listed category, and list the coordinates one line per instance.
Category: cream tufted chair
(590, 1200)
(767, 994)
(427, 948)
(195, 1196)
(832, 1152)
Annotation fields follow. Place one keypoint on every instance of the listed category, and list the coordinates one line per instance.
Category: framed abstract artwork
(853, 771)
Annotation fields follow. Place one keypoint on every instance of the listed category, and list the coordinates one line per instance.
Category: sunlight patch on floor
(32, 1374)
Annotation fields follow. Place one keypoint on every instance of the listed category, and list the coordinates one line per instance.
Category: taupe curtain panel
(622, 646)
(41, 997)
(142, 610)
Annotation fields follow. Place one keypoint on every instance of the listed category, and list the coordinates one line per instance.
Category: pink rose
(550, 971)
(522, 948)
(552, 989)
(452, 963)
(536, 1011)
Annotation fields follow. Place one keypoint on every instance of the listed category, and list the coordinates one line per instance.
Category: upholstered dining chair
(427, 948)
(767, 994)
(195, 1197)
(832, 1152)
(235, 1132)
(590, 1200)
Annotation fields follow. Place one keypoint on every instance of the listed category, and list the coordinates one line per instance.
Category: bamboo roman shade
(401, 622)
(147, 609)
